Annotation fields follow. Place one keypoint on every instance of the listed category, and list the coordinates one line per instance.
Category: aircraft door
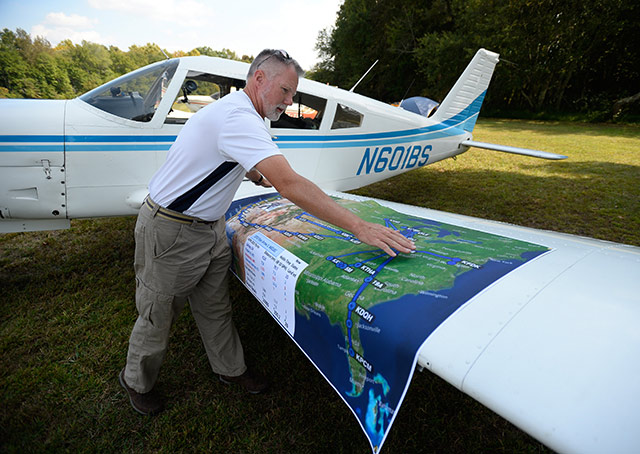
(32, 172)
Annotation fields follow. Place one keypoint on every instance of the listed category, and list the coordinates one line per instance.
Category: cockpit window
(199, 90)
(346, 117)
(305, 113)
(135, 96)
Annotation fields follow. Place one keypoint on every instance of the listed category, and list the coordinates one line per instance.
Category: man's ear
(260, 76)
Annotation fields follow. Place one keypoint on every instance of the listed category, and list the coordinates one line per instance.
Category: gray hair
(275, 55)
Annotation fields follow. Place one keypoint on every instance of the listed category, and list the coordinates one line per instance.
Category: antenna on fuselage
(363, 76)
(164, 53)
(409, 88)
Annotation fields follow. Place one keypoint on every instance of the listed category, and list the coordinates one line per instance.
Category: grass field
(66, 311)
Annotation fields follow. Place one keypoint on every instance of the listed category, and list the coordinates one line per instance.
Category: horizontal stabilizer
(514, 150)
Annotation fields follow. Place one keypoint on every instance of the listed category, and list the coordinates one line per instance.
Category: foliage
(557, 55)
(224, 53)
(32, 68)
(384, 30)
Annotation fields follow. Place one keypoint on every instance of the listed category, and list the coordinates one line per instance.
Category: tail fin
(462, 104)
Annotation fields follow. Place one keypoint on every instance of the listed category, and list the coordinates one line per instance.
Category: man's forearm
(313, 200)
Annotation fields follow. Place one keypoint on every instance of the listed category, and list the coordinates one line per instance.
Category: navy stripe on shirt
(187, 199)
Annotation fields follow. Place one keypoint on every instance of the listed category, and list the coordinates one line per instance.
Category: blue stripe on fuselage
(93, 139)
(463, 121)
(34, 138)
(51, 143)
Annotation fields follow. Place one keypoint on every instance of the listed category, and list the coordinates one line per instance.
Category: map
(359, 314)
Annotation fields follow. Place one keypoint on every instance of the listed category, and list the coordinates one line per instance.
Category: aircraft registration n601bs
(552, 345)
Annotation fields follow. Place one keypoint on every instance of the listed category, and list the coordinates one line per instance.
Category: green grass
(66, 311)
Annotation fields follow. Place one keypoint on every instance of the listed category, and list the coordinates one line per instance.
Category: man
(181, 249)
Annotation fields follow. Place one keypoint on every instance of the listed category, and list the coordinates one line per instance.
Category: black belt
(174, 215)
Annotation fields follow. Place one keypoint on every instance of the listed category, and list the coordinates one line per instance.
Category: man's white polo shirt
(210, 157)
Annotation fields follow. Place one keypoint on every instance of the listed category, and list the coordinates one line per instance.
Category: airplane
(551, 346)
(59, 156)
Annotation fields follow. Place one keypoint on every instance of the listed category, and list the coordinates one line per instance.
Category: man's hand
(387, 239)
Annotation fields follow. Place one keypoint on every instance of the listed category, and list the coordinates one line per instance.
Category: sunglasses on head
(280, 54)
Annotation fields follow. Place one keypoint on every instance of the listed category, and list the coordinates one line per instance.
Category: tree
(557, 54)
(384, 30)
(145, 55)
(88, 64)
(224, 53)
(13, 67)
(31, 68)
(52, 79)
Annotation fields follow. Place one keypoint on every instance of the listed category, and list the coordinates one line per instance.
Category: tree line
(32, 68)
(556, 55)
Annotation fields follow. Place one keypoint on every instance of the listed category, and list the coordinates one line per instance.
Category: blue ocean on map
(407, 322)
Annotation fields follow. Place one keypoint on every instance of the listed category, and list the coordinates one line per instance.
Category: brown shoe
(150, 403)
(251, 382)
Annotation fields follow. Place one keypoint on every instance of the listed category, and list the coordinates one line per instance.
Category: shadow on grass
(560, 127)
(613, 172)
(62, 256)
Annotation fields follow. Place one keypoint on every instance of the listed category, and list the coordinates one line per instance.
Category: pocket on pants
(165, 239)
(153, 307)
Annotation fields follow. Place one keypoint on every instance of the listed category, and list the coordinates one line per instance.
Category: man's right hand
(387, 239)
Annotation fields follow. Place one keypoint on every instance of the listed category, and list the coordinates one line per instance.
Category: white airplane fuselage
(61, 160)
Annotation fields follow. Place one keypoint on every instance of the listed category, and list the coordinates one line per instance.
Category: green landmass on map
(339, 264)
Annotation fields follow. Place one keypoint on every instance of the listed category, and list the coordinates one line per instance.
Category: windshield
(134, 96)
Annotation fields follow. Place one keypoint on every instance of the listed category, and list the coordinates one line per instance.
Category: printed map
(359, 314)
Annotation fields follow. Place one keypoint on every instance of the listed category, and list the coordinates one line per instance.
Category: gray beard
(274, 116)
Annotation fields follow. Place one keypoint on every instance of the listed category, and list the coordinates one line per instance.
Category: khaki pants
(175, 263)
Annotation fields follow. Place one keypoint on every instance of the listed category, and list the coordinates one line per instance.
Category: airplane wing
(538, 326)
(551, 346)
